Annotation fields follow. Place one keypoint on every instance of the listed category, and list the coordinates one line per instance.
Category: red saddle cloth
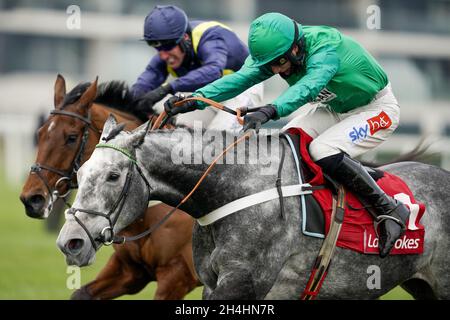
(357, 232)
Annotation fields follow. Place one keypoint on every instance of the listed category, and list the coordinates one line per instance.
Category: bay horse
(66, 140)
(255, 253)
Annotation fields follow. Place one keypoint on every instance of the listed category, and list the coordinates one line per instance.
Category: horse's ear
(60, 90)
(138, 135)
(88, 96)
(110, 124)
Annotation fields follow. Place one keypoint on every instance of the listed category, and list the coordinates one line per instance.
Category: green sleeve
(320, 69)
(234, 84)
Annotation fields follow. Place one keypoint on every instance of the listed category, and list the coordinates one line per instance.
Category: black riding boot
(389, 213)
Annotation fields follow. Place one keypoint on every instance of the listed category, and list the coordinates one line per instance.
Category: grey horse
(255, 253)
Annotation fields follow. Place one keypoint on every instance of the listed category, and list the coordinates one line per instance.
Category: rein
(323, 260)
(242, 111)
(159, 122)
(74, 166)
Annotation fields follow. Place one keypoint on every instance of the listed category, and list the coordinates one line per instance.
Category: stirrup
(379, 219)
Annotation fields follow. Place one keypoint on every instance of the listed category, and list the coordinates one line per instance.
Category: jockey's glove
(172, 109)
(255, 119)
(146, 102)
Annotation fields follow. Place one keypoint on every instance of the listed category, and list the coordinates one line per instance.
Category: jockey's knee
(319, 150)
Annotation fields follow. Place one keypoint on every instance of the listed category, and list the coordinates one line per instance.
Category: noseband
(66, 176)
(107, 236)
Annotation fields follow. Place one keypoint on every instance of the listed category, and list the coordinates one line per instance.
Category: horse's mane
(117, 95)
(113, 94)
(75, 94)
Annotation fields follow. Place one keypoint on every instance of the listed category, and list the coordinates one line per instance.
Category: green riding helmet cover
(270, 36)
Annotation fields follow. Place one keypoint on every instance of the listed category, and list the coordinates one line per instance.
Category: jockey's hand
(146, 102)
(187, 106)
(255, 119)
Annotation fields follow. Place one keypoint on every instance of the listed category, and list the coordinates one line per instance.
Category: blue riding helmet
(164, 27)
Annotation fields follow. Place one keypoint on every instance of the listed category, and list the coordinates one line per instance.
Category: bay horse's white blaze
(51, 126)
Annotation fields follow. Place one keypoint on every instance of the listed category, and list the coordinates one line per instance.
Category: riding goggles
(278, 61)
(162, 45)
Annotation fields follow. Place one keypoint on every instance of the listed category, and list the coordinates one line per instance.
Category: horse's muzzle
(34, 205)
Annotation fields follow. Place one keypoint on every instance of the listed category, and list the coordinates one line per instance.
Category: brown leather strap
(245, 136)
(156, 125)
(216, 105)
(323, 260)
(158, 121)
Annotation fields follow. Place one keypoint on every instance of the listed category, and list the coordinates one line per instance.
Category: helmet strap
(297, 60)
(185, 45)
(187, 49)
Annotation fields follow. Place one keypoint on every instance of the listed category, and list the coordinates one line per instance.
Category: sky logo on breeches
(374, 124)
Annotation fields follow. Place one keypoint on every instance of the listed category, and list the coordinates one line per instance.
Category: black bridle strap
(73, 115)
(117, 206)
(85, 230)
(122, 239)
(37, 167)
(75, 165)
(118, 203)
(123, 195)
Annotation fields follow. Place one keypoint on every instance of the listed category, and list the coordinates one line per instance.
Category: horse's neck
(174, 180)
(99, 114)
(170, 180)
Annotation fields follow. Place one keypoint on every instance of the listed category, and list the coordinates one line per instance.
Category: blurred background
(411, 41)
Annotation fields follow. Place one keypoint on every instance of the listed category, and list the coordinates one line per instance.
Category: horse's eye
(71, 139)
(113, 177)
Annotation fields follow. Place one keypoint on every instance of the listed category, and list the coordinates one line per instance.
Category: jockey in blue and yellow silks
(196, 53)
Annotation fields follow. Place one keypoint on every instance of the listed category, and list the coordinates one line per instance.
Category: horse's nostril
(34, 205)
(74, 246)
(37, 200)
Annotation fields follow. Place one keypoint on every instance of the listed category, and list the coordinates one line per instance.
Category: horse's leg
(231, 283)
(175, 279)
(422, 286)
(117, 278)
(234, 279)
(419, 289)
(234, 284)
(202, 247)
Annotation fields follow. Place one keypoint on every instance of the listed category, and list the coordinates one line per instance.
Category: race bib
(325, 96)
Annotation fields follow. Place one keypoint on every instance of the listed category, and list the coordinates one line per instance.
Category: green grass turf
(31, 266)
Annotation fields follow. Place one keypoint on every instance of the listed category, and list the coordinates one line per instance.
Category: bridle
(107, 236)
(66, 176)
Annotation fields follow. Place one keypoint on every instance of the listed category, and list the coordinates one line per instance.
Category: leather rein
(107, 236)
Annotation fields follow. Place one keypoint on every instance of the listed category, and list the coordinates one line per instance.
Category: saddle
(357, 231)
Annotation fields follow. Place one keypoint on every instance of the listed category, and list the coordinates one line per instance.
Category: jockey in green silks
(346, 102)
